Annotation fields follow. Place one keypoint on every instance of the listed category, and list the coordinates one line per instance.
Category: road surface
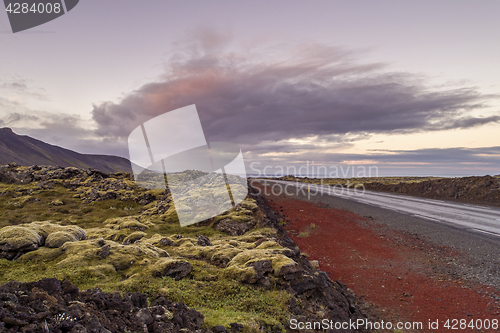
(480, 219)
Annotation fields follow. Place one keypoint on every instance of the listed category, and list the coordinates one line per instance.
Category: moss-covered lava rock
(17, 240)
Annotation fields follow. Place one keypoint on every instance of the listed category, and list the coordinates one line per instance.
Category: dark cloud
(436, 156)
(282, 105)
(307, 90)
(465, 156)
(16, 118)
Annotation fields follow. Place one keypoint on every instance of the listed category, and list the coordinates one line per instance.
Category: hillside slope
(26, 151)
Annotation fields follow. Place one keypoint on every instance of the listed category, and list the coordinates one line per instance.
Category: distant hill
(27, 151)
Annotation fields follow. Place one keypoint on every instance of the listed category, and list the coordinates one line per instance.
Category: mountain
(27, 151)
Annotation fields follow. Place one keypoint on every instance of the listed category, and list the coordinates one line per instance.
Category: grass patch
(222, 300)
(227, 301)
(21, 209)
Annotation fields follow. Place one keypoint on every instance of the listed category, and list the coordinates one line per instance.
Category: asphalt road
(464, 216)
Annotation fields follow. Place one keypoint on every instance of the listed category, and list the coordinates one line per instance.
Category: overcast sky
(410, 87)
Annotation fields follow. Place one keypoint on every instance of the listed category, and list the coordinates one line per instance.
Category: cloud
(19, 85)
(283, 104)
(21, 110)
(284, 93)
(65, 130)
(11, 119)
(482, 155)
(25, 87)
(435, 161)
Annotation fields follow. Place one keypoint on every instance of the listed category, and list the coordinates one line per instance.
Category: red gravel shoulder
(402, 276)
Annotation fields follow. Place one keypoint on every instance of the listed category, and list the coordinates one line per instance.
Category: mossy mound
(95, 252)
(176, 268)
(133, 237)
(58, 238)
(57, 202)
(243, 212)
(243, 268)
(129, 222)
(16, 240)
(161, 241)
(19, 238)
(123, 229)
(249, 204)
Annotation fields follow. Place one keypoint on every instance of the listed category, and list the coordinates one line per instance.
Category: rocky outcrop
(176, 268)
(90, 184)
(204, 241)
(481, 190)
(233, 228)
(53, 306)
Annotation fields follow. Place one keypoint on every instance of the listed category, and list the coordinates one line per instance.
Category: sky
(409, 88)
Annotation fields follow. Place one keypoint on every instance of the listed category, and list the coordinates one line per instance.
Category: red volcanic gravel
(400, 276)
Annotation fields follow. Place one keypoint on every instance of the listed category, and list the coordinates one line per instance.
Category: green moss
(106, 233)
(36, 206)
(34, 234)
(269, 245)
(17, 237)
(237, 216)
(239, 267)
(157, 193)
(188, 249)
(249, 204)
(171, 267)
(222, 254)
(226, 317)
(58, 238)
(135, 236)
(45, 228)
(129, 222)
(156, 239)
(42, 254)
(282, 265)
(257, 234)
(241, 273)
(209, 288)
(242, 245)
(224, 301)
(25, 199)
